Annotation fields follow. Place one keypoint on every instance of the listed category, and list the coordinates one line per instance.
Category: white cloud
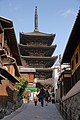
(68, 12)
(13, 6)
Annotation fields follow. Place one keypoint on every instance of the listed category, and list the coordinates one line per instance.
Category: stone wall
(72, 102)
(73, 105)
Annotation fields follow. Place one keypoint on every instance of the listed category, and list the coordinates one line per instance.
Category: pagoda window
(31, 54)
(42, 54)
(36, 43)
(41, 64)
(36, 65)
(37, 54)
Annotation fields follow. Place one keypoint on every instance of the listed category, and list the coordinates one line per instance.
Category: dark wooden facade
(9, 62)
(72, 52)
(36, 51)
(64, 82)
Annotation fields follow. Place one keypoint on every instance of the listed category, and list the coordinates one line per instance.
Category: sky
(54, 17)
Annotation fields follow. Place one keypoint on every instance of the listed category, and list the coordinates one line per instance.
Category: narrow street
(31, 112)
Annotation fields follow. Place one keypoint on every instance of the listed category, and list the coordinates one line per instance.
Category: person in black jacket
(53, 97)
(41, 96)
(47, 95)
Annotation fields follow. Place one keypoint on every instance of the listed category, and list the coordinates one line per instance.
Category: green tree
(21, 85)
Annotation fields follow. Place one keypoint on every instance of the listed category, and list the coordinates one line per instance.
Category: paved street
(31, 112)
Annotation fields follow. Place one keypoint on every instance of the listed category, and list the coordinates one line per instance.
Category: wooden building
(36, 51)
(72, 52)
(70, 104)
(9, 62)
(64, 83)
(71, 56)
(28, 73)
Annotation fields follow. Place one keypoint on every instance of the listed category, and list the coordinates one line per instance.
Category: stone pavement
(31, 112)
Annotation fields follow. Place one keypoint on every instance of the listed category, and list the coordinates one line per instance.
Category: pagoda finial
(36, 19)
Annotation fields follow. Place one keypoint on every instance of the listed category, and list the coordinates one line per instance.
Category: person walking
(36, 98)
(41, 96)
(53, 97)
(46, 97)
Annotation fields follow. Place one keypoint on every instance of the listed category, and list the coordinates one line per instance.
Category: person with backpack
(47, 95)
(41, 96)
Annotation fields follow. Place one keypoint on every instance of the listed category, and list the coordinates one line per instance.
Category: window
(76, 57)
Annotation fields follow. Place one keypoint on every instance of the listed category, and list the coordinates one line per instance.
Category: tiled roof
(37, 33)
(9, 32)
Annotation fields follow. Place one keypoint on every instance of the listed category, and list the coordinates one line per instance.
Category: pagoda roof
(38, 57)
(24, 37)
(25, 48)
(6, 23)
(73, 41)
(38, 47)
(9, 34)
(37, 33)
(49, 49)
(49, 60)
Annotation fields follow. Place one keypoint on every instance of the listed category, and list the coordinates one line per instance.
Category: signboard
(31, 88)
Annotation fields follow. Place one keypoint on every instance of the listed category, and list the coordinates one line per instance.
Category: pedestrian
(36, 98)
(53, 97)
(47, 95)
(41, 96)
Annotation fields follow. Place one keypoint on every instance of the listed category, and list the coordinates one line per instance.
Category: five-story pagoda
(36, 51)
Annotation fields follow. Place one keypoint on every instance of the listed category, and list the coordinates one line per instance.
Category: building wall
(55, 77)
(58, 95)
(28, 76)
(76, 65)
(3, 94)
(3, 85)
(7, 88)
(11, 69)
(71, 103)
(73, 106)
